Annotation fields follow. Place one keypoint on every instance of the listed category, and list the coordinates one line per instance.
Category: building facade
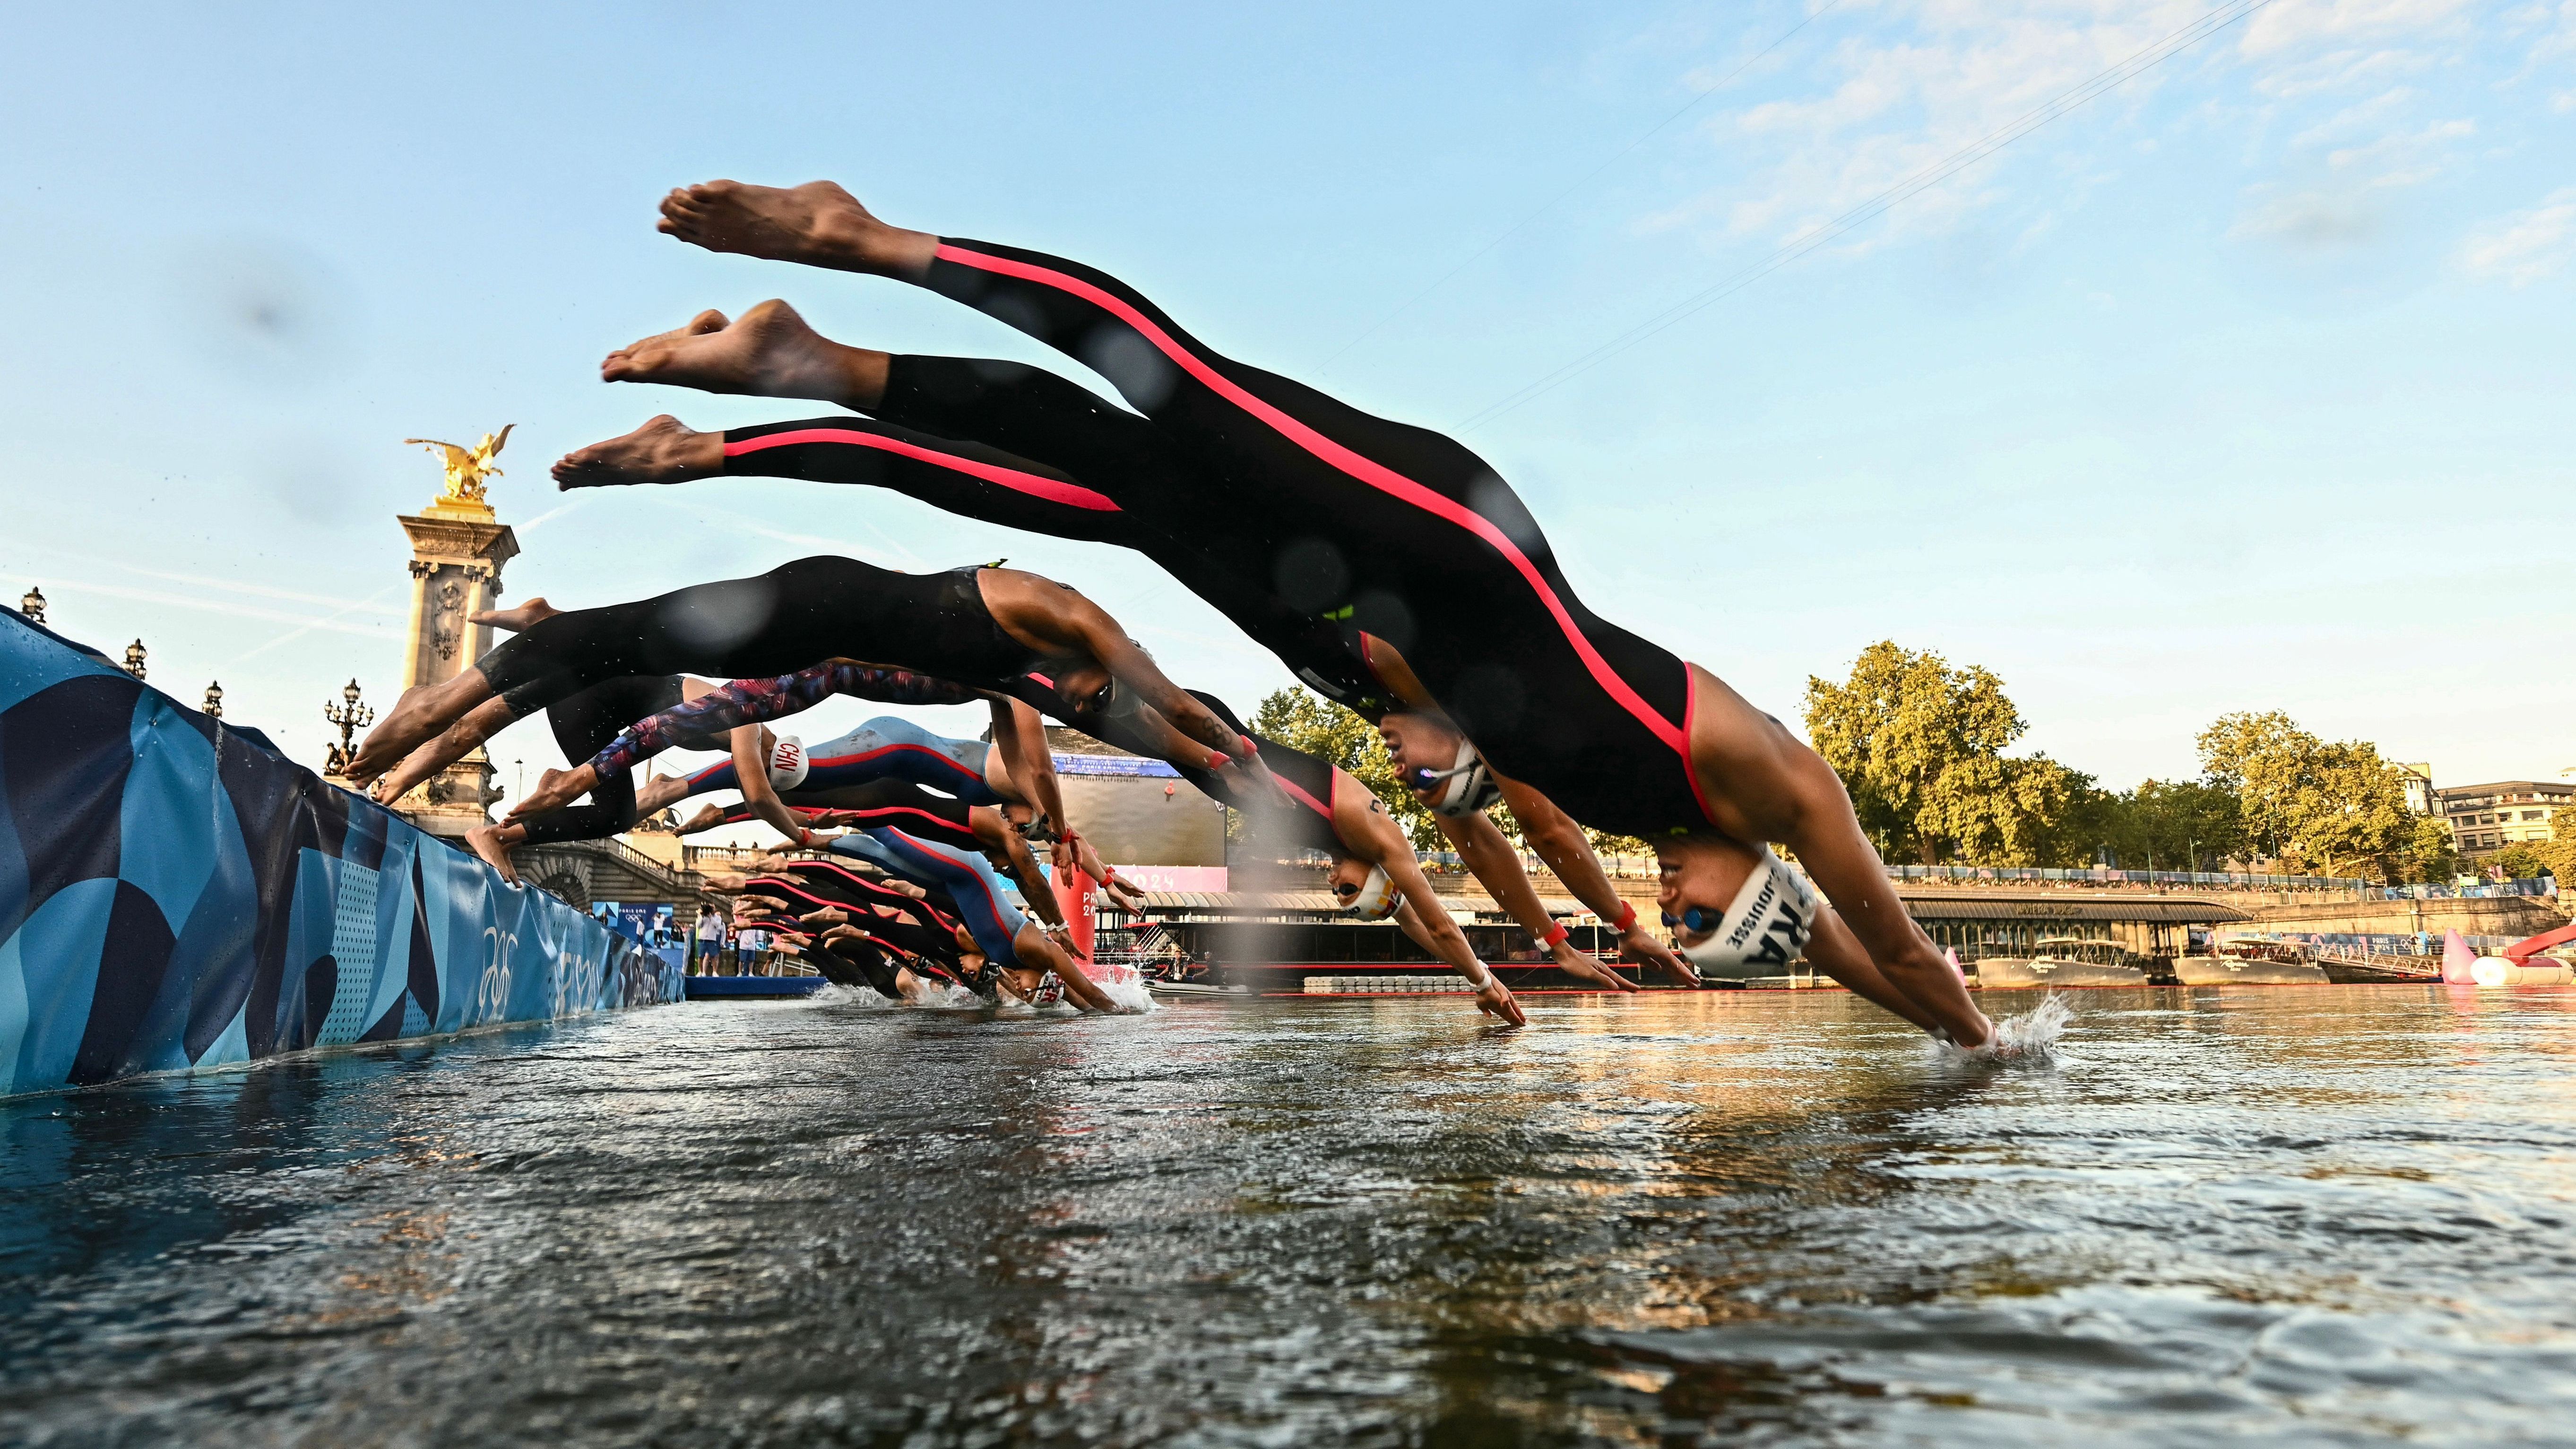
(2487, 818)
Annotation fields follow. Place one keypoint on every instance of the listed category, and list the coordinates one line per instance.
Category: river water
(2296, 1215)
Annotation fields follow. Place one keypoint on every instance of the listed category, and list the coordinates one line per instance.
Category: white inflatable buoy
(2539, 971)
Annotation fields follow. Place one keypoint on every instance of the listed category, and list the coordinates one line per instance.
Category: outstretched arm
(1033, 881)
(1555, 838)
(751, 772)
(1492, 860)
(1136, 670)
(1021, 737)
(1435, 930)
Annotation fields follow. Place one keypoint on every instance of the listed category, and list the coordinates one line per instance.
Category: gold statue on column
(467, 467)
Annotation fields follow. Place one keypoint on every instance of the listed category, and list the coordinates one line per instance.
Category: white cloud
(2526, 246)
(2289, 24)
(1915, 82)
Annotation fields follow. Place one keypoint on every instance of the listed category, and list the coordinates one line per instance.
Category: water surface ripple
(2302, 1215)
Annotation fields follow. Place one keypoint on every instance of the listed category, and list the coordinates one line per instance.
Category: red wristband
(1243, 747)
(1556, 932)
(1627, 917)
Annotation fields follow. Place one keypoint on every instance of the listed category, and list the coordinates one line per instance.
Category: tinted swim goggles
(1694, 918)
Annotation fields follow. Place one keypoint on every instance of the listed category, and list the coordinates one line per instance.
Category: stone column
(458, 548)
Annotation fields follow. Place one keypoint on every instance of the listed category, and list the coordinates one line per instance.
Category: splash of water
(1129, 992)
(2030, 1039)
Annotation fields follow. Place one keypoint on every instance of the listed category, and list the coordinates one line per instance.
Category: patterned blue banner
(175, 894)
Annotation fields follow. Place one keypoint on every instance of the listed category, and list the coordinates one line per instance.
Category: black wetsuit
(779, 622)
(1006, 443)
(1383, 528)
(583, 725)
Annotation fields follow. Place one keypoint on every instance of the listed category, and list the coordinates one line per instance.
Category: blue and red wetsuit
(746, 701)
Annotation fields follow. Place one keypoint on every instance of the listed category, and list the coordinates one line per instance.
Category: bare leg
(494, 843)
(480, 723)
(770, 352)
(525, 617)
(817, 225)
(661, 451)
(556, 789)
(423, 711)
(659, 792)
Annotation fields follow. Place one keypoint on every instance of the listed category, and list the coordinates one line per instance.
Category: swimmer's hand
(1125, 893)
(1642, 946)
(1495, 999)
(1584, 967)
(1062, 934)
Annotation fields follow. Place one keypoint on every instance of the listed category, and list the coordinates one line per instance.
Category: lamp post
(351, 717)
(215, 700)
(134, 655)
(32, 604)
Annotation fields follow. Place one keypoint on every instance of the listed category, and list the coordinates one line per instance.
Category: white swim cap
(787, 763)
(1471, 787)
(1766, 925)
(1377, 899)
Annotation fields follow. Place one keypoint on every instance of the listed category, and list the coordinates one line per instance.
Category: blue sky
(2246, 386)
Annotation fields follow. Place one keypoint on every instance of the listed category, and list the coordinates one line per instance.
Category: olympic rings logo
(492, 993)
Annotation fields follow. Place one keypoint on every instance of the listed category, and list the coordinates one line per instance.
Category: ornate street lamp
(134, 653)
(215, 700)
(32, 604)
(351, 717)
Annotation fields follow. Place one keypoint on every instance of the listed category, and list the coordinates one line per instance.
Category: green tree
(2174, 824)
(1920, 747)
(2520, 861)
(2335, 809)
(2264, 760)
(2429, 856)
(2558, 852)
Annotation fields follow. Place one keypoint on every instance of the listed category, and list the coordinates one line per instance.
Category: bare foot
(423, 711)
(485, 840)
(659, 793)
(556, 789)
(661, 451)
(519, 620)
(769, 352)
(707, 818)
(817, 224)
(403, 778)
